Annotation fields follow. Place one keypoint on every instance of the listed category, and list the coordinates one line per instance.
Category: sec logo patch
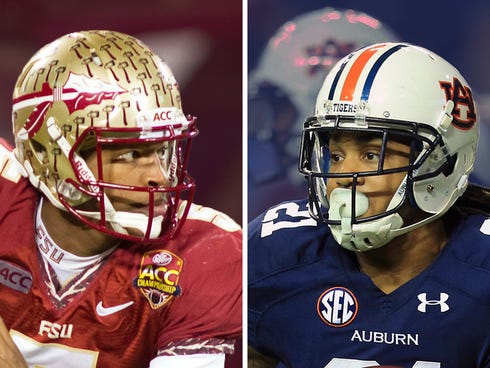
(337, 306)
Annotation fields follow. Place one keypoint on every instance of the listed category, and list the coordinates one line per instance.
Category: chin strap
(131, 220)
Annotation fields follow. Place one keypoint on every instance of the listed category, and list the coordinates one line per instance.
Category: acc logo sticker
(15, 277)
(337, 306)
(159, 276)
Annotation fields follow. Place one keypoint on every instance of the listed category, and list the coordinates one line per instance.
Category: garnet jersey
(309, 305)
(181, 297)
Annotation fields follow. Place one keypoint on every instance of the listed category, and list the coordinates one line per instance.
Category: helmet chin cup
(364, 236)
(139, 222)
(340, 209)
(123, 221)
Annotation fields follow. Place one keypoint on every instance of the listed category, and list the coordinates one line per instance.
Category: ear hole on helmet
(449, 167)
(39, 151)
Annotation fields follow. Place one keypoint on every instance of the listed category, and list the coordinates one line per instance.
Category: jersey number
(296, 218)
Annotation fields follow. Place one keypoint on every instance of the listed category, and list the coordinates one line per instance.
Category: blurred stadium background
(458, 31)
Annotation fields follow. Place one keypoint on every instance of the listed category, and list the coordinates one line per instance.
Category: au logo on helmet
(159, 276)
(464, 114)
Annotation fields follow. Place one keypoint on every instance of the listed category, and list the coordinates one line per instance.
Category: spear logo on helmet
(77, 93)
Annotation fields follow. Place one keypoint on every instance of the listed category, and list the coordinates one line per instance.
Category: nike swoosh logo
(106, 311)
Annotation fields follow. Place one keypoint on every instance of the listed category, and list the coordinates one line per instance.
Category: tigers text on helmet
(90, 90)
(293, 66)
(396, 93)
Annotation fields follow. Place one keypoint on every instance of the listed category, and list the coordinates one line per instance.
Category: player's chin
(157, 208)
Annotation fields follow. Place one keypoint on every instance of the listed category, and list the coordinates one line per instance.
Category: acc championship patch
(158, 277)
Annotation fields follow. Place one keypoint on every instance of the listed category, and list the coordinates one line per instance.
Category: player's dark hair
(475, 200)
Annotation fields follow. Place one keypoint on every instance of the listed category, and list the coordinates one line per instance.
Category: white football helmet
(89, 90)
(293, 67)
(395, 91)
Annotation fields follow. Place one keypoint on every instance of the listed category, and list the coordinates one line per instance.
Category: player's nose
(349, 174)
(154, 173)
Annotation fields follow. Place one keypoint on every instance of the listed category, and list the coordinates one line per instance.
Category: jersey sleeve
(207, 316)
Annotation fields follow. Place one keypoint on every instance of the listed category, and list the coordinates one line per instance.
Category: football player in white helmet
(287, 78)
(426, 150)
(98, 267)
(393, 239)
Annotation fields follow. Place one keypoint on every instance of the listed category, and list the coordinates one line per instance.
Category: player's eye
(128, 156)
(335, 157)
(371, 156)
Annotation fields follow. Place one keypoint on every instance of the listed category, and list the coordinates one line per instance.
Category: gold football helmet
(91, 89)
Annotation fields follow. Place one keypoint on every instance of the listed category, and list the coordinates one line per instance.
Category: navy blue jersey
(310, 306)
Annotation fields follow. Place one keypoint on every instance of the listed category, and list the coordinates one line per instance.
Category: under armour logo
(443, 297)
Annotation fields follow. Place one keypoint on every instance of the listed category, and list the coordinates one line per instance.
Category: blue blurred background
(458, 31)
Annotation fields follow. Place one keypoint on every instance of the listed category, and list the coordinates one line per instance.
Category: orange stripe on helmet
(350, 82)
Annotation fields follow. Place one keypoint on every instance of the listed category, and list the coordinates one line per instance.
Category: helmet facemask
(156, 212)
(88, 196)
(348, 209)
